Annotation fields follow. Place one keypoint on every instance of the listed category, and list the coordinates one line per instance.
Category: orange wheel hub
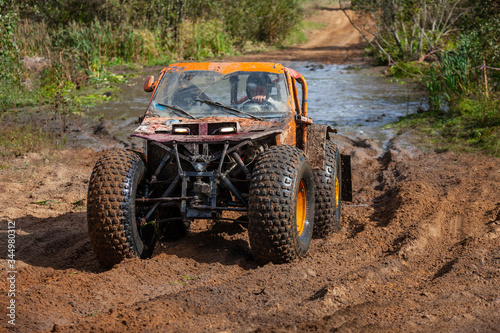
(301, 208)
(337, 191)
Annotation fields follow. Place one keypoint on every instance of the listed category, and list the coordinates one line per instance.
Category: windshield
(196, 94)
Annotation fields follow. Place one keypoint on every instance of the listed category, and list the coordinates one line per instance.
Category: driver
(258, 88)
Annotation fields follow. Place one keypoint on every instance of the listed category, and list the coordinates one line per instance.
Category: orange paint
(227, 67)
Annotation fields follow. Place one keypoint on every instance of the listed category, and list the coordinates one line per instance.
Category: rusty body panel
(288, 136)
(160, 129)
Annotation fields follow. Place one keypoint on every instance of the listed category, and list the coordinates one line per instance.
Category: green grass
(408, 69)
(19, 140)
(471, 124)
(299, 34)
(463, 113)
(311, 25)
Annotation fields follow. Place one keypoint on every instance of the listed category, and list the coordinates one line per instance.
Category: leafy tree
(481, 28)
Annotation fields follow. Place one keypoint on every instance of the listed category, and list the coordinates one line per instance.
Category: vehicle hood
(205, 129)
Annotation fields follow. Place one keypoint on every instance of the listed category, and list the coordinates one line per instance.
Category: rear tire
(281, 205)
(111, 209)
(328, 186)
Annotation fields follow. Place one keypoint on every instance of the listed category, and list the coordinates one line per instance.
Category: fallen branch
(425, 56)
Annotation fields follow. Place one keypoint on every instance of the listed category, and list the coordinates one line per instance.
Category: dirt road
(419, 251)
(337, 43)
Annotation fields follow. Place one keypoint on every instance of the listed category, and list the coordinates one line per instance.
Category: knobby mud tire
(111, 209)
(273, 229)
(327, 219)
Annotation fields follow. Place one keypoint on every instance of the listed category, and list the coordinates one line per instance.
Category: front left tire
(112, 214)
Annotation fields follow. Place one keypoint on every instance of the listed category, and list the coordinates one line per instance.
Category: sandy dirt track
(337, 43)
(419, 251)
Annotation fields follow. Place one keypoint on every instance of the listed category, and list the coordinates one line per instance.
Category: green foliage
(204, 39)
(61, 12)
(470, 124)
(56, 55)
(464, 100)
(255, 20)
(19, 140)
(409, 69)
(481, 35)
(268, 21)
(80, 39)
(454, 70)
(463, 115)
(298, 35)
(432, 84)
(448, 78)
(406, 30)
(9, 64)
(100, 42)
(276, 19)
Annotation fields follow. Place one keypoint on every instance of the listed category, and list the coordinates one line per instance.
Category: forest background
(57, 56)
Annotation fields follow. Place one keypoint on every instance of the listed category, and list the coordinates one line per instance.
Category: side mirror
(149, 84)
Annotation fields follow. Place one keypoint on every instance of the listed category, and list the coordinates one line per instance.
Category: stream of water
(355, 101)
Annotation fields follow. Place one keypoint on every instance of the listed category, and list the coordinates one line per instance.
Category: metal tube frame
(215, 178)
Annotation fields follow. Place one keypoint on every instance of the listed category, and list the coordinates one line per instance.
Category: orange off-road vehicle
(221, 137)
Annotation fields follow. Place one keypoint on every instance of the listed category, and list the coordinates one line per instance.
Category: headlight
(181, 130)
(227, 130)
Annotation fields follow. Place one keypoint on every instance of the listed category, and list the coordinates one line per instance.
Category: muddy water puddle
(356, 101)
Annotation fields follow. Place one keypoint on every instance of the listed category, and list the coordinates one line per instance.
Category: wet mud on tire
(281, 174)
(327, 219)
(111, 208)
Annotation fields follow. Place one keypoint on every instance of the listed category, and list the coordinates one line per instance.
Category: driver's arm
(241, 100)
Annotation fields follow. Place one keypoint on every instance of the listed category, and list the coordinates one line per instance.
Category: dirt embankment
(419, 251)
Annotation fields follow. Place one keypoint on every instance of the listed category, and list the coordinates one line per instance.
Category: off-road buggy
(209, 149)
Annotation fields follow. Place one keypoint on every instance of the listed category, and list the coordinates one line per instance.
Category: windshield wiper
(176, 108)
(227, 108)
